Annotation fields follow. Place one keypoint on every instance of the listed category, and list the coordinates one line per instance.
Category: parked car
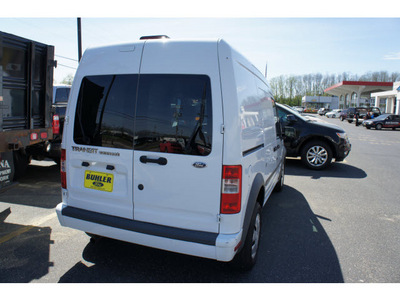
(322, 111)
(315, 142)
(383, 121)
(299, 109)
(343, 115)
(357, 114)
(152, 153)
(333, 113)
(59, 107)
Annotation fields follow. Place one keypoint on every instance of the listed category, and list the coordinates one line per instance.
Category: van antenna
(266, 69)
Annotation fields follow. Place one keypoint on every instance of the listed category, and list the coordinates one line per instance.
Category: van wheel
(279, 184)
(316, 155)
(247, 256)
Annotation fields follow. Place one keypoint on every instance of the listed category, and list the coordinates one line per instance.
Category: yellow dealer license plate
(99, 181)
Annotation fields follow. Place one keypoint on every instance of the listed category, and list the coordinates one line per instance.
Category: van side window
(174, 114)
(105, 111)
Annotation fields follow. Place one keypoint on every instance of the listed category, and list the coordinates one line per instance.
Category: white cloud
(392, 55)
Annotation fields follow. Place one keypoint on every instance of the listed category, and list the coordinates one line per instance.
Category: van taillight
(63, 169)
(56, 124)
(231, 189)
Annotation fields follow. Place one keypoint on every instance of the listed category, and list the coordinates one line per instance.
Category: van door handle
(110, 167)
(85, 164)
(161, 160)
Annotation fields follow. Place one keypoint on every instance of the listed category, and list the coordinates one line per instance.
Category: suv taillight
(56, 124)
(63, 169)
(231, 189)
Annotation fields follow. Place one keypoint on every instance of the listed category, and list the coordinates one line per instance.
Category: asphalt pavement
(336, 225)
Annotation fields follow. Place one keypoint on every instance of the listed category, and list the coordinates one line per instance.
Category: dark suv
(343, 114)
(315, 142)
(358, 114)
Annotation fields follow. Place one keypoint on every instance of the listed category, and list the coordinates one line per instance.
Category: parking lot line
(15, 234)
(27, 228)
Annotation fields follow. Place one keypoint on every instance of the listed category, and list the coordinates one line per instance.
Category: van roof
(159, 41)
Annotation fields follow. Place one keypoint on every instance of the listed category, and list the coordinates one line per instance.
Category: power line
(66, 57)
(58, 64)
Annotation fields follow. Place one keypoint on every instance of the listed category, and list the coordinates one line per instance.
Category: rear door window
(105, 111)
(174, 114)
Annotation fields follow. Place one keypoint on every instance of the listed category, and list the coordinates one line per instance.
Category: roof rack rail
(154, 37)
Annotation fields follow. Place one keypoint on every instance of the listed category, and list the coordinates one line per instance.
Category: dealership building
(316, 102)
(391, 98)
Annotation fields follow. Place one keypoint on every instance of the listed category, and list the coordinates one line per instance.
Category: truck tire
(21, 162)
(246, 258)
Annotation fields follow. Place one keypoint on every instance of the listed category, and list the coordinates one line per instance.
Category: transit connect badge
(199, 165)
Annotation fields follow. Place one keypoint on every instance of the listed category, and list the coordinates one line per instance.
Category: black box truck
(26, 86)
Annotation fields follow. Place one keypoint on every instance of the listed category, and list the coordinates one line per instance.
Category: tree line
(289, 89)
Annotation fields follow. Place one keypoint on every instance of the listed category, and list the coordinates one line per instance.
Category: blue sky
(289, 45)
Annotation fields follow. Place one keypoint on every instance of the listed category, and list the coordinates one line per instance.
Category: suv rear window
(62, 95)
(173, 113)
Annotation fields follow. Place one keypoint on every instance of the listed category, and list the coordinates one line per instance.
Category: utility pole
(79, 40)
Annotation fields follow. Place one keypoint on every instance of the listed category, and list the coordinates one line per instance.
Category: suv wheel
(316, 155)
(246, 258)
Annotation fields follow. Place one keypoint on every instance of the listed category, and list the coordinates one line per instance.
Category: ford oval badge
(199, 165)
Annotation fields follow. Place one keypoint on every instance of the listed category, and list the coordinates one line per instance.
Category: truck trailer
(26, 86)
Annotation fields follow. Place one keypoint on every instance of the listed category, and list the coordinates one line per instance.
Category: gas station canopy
(361, 88)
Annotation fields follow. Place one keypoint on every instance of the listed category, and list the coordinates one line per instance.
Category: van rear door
(100, 159)
(178, 143)
(99, 135)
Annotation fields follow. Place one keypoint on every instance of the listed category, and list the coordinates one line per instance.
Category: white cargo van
(171, 144)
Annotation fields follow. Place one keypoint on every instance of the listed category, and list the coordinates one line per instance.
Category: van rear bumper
(197, 243)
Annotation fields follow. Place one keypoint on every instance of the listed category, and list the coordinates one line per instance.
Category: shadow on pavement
(337, 170)
(294, 248)
(39, 187)
(24, 251)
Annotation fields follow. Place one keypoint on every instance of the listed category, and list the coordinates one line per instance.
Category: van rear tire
(246, 258)
(279, 185)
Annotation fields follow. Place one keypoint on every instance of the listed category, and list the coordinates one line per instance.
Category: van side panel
(250, 135)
